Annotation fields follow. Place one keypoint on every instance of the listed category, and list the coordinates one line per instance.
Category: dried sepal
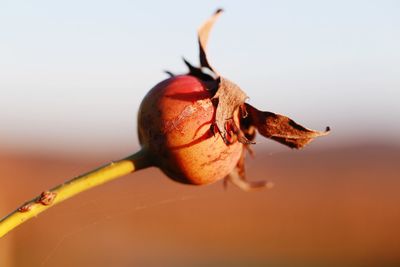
(210, 78)
(281, 128)
(203, 33)
(197, 72)
(245, 185)
(169, 73)
(228, 98)
(238, 176)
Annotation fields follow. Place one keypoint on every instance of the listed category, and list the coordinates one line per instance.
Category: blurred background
(72, 75)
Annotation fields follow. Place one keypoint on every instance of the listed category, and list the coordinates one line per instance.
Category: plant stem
(47, 199)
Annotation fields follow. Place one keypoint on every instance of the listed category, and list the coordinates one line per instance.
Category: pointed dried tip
(189, 65)
(169, 73)
(203, 33)
(204, 30)
(313, 133)
(219, 10)
(282, 129)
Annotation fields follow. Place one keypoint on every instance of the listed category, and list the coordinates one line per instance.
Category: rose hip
(174, 124)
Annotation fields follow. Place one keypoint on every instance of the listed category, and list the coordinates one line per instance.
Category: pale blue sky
(72, 73)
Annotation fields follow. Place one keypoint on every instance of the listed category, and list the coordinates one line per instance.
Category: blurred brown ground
(331, 207)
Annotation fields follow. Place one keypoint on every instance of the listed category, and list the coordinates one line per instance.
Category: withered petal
(282, 129)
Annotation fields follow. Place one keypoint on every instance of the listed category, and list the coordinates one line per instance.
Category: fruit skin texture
(174, 125)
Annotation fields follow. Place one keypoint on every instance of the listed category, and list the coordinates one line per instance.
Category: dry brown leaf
(281, 128)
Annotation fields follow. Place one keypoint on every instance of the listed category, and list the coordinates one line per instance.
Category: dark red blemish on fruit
(221, 157)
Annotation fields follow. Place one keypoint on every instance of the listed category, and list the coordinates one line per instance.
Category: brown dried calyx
(229, 100)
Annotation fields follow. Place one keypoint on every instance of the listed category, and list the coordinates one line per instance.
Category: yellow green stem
(84, 182)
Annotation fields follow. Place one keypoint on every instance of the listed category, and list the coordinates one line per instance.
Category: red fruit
(175, 125)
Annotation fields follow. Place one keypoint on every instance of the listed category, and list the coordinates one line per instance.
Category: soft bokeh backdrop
(73, 73)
